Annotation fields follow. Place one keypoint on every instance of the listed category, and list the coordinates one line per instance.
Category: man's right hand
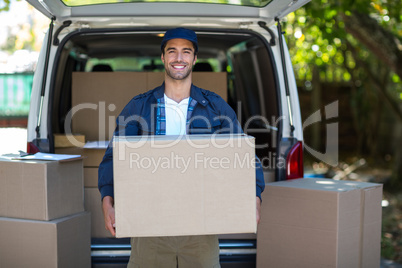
(108, 214)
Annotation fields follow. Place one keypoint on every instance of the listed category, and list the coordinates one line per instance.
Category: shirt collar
(173, 102)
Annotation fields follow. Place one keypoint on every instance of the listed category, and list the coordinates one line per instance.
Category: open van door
(266, 10)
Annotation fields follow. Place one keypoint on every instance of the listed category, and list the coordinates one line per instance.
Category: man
(177, 107)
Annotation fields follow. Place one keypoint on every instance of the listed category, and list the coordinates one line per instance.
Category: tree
(4, 5)
(358, 43)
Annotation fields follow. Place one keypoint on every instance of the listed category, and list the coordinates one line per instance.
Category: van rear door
(266, 10)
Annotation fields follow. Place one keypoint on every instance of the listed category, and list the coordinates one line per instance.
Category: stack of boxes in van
(42, 217)
(92, 199)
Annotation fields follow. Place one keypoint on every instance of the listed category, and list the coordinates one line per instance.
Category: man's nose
(179, 56)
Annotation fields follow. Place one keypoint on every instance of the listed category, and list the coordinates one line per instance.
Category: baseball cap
(181, 33)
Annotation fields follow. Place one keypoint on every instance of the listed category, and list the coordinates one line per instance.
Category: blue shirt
(207, 113)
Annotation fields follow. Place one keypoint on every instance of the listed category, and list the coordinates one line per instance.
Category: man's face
(179, 58)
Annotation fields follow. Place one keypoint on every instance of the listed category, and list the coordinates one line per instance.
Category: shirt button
(203, 101)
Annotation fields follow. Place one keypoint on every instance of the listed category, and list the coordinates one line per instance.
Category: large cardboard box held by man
(320, 223)
(62, 243)
(193, 185)
(40, 190)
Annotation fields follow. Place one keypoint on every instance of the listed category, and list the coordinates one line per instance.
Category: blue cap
(181, 33)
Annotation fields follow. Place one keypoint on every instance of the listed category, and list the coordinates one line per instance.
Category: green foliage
(4, 5)
(9, 46)
(317, 37)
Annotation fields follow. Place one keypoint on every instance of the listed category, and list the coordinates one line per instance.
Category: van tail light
(294, 162)
(32, 148)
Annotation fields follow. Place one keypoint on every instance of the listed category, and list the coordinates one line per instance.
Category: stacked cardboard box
(320, 223)
(92, 200)
(42, 218)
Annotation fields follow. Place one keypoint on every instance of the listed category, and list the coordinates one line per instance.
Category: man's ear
(162, 58)
(195, 59)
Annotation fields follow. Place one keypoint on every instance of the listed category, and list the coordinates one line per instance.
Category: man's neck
(177, 90)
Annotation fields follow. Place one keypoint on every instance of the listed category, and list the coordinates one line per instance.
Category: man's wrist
(107, 202)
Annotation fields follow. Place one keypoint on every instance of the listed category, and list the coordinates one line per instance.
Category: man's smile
(178, 66)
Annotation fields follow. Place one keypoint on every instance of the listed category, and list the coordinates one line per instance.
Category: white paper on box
(191, 185)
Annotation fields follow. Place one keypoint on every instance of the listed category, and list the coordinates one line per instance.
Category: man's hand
(258, 209)
(108, 214)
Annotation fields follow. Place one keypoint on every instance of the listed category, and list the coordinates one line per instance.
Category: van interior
(243, 56)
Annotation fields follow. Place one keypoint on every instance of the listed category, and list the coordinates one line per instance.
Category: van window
(253, 3)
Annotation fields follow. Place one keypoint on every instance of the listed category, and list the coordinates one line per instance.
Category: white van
(97, 55)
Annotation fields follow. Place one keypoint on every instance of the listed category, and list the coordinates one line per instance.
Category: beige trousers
(175, 252)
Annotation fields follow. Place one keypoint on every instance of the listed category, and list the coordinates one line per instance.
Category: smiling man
(177, 107)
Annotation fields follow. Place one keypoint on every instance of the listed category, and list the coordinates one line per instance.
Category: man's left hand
(258, 209)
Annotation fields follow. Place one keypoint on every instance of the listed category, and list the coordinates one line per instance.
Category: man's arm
(108, 214)
(231, 123)
(258, 209)
(127, 125)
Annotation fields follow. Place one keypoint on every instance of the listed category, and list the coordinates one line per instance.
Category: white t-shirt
(176, 116)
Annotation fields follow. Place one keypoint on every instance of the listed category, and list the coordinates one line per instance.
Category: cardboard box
(40, 190)
(196, 185)
(101, 98)
(64, 242)
(320, 223)
(92, 157)
(68, 140)
(91, 177)
(93, 204)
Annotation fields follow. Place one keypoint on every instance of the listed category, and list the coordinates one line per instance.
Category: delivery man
(169, 110)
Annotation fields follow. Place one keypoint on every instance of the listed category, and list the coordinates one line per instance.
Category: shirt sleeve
(232, 125)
